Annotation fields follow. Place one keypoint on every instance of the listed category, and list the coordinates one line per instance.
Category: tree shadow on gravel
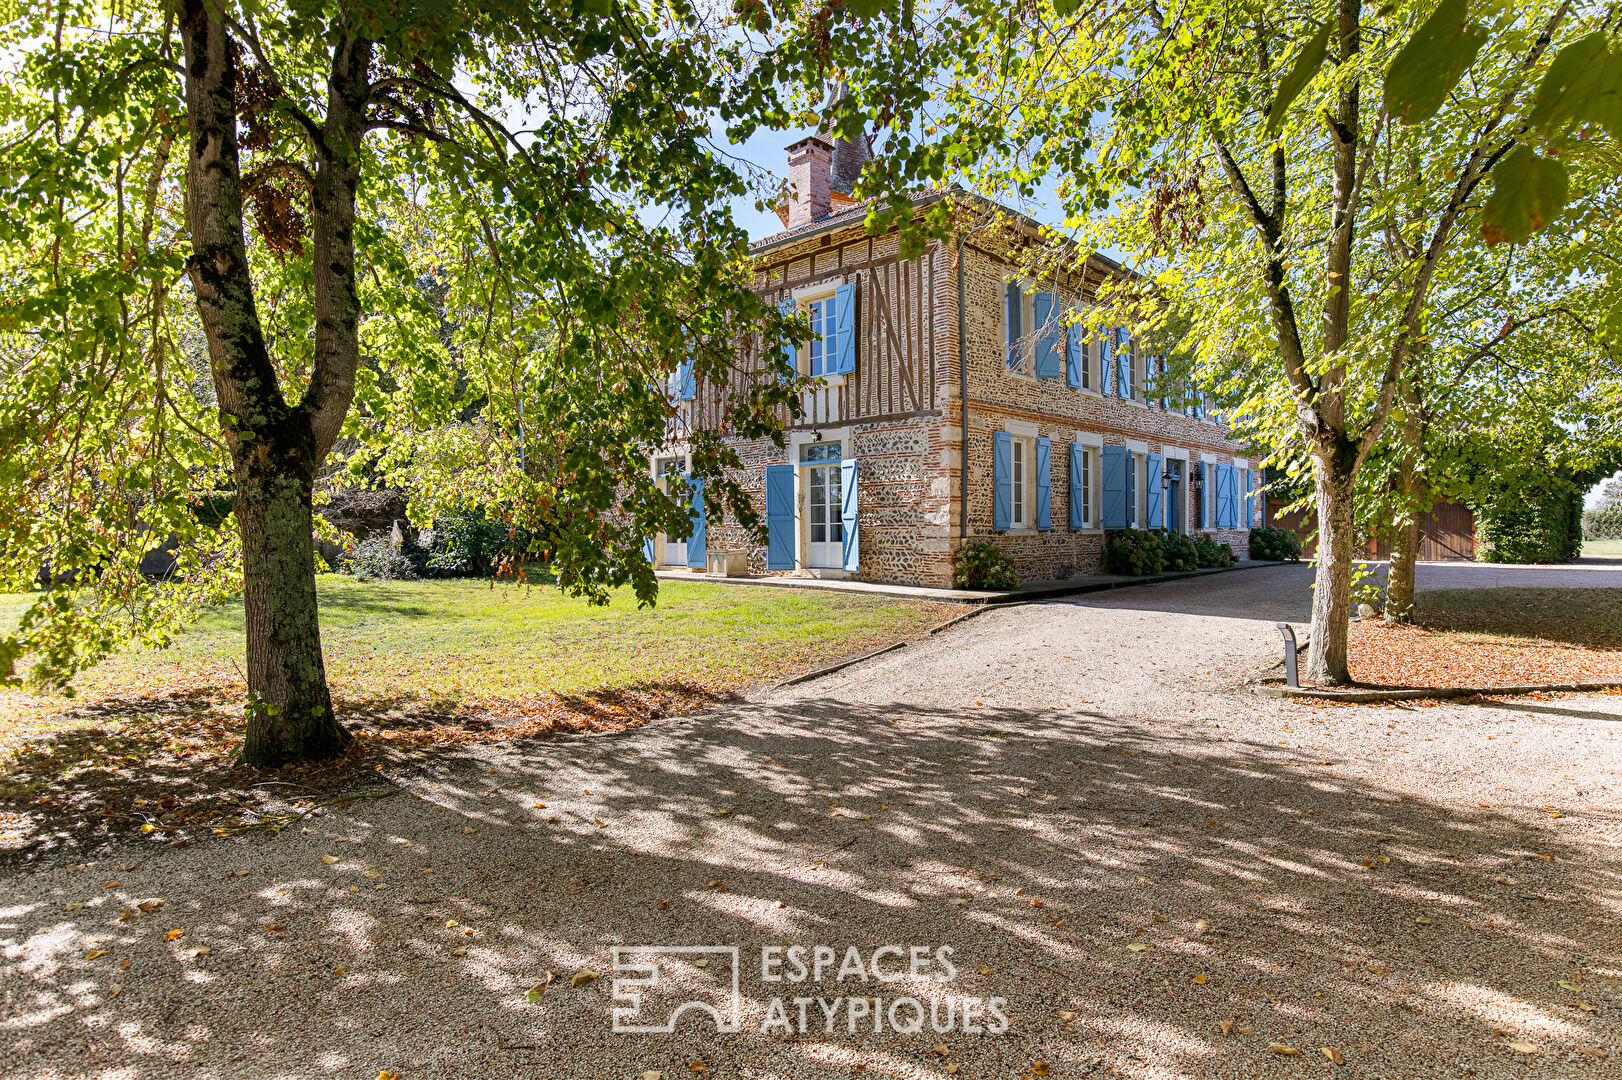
(1164, 907)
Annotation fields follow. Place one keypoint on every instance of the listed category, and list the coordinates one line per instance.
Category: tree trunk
(275, 447)
(1408, 489)
(290, 714)
(1336, 475)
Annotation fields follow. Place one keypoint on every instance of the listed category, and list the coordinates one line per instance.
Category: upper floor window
(825, 339)
(1016, 320)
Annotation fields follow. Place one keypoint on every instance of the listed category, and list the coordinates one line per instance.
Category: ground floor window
(670, 472)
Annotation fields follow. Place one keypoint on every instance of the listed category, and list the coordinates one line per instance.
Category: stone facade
(900, 413)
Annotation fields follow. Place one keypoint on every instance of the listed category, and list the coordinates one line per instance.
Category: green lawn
(1603, 549)
(472, 644)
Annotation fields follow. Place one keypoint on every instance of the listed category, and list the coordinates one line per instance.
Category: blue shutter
(1123, 362)
(845, 329)
(686, 380)
(1154, 491)
(1224, 491)
(847, 513)
(1074, 357)
(1114, 480)
(779, 517)
(791, 354)
(1076, 484)
(695, 542)
(1044, 483)
(647, 550)
(1015, 331)
(1002, 481)
(1049, 362)
(1106, 362)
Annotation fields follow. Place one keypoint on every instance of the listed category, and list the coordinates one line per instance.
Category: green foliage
(1534, 526)
(1181, 552)
(1432, 61)
(983, 565)
(1369, 583)
(469, 544)
(1212, 553)
(1528, 191)
(1604, 522)
(375, 559)
(518, 306)
(1133, 551)
(1278, 545)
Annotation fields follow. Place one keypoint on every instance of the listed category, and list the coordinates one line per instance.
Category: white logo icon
(643, 960)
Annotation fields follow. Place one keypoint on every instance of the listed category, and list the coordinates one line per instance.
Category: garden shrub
(983, 566)
(375, 559)
(1181, 554)
(1133, 551)
(1212, 553)
(469, 544)
(1280, 545)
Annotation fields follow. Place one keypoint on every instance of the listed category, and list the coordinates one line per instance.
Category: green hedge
(983, 566)
(1544, 527)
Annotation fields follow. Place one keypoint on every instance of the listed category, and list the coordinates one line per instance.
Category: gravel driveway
(1157, 874)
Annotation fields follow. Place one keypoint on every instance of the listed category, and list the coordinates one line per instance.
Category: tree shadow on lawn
(1319, 909)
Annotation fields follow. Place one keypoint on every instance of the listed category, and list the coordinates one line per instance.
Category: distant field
(1604, 549)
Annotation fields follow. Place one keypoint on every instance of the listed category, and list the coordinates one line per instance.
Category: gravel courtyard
(1160, 874)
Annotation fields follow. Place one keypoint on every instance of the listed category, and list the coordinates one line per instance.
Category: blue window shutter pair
(1077, 483)
(1049, 362)
(845, 329)
(1002, 481)
(695, 542)
(1074, 356)
(1116, 483)
(1044, 483)
(1227, 516)
(1015, 331)
(1154, 491)
(779, 517)
(852, 550)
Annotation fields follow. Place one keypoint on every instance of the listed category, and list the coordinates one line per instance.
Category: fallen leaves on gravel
(1522, 1047)
(1333, 1055)
(1284, 1049)
(582, 977)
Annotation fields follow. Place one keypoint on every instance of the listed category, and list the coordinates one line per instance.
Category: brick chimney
(810, 173)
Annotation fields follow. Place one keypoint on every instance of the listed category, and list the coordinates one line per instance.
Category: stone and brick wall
(901, 415)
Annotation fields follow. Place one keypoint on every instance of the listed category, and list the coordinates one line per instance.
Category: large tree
(1298, 184)
(212, 213)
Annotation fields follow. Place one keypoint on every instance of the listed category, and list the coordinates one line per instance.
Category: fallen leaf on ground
(171, 935)
(1040, 1068)
(582, 977)
(150, 905)
(93, 955)
(535, 994)
(1333, 1055)
(1283, 1048)
(1522, 1047)
(1566, 985)
(239, 873)
(329, 859)
(1225, 1025)
(1200, 978)
(201, 950)
(1137, 946)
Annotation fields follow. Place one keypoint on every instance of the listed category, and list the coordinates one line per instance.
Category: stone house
(952, 405)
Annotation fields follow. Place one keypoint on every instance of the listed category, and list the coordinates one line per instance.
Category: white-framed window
(1089, 469)
(1021, 483)
(822, 351)
(1017, 318)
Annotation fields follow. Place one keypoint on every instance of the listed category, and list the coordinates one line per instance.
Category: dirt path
(1430, 892)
